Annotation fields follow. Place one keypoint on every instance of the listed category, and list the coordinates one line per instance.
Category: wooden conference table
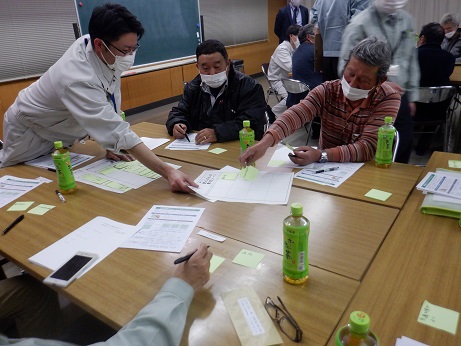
(398, 179)
(419, 260)
(346, 234)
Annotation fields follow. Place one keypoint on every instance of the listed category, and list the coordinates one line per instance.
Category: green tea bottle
(246, 136)
(296, 230)
(357, 332)
(386, 134)
(61, 159)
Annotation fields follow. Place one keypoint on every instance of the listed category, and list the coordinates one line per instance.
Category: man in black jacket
(216, 102)
(292, 14)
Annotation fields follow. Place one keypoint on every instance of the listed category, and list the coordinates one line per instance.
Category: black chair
(433, 113)
(270, 90)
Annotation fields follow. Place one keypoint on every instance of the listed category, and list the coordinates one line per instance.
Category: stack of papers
(12, 188)
(46, 161)
(184, 144)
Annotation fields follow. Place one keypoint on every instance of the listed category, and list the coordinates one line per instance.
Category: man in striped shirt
(351, 110)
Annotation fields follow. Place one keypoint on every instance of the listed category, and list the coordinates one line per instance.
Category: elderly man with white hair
(452, 41)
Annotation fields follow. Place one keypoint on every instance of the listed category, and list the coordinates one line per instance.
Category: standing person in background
(280, 66)
(386, 19)
(303, 64)
(292, 14)
(452, 41)
(331, 17)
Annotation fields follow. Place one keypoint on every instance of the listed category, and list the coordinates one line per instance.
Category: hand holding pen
(180, 131)
(195, 270)
(304, 155)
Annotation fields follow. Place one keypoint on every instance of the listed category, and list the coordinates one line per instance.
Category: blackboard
(172, 27)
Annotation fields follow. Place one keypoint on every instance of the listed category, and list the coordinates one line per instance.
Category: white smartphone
(70, 270)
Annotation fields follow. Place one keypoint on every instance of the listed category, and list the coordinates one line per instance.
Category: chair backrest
(396, 145)
(436, 94)
(294, 86)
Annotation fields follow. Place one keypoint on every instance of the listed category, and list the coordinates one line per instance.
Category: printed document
(332, 178)
(184, 144)
(441, 184)
(164, 228)
(230, 186)
(12, 188)
(46, 161)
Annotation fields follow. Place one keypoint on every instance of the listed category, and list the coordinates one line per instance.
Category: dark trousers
(404, 124)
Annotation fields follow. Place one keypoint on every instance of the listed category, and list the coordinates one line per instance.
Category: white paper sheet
(12, 188)
(333, 178)
(280, 158)
(184, 144)
(153, 143)
(46, 161)
(164, 228)
(267, 188)
(441, 184)
(100, 235)
(116, 176)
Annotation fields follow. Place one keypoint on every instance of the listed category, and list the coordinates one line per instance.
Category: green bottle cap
(388, 120)
(296, 209)
(359, 322)
(58, 144)
(246, 123)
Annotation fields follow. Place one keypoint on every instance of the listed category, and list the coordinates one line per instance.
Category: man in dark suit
(291, 14)
(436, 66)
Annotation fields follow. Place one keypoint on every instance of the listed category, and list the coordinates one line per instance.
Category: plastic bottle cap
(359, 322)
(388, 120)
(296, 209)
(58, 144)
(246, 123)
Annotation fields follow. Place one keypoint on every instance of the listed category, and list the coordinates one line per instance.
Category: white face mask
(214, 80)
(390, 6)
(450, 34)
(351, 93)
(295, 3)
(122, 63)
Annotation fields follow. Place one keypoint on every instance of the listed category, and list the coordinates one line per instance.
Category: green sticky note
(248, 258)
(229, 176)
(378, 194)
(20, 206)
(249, 173)
(41, 209)
(217, 150)
(438, 317)
(215, 262)
(276, 163)
(454, 163)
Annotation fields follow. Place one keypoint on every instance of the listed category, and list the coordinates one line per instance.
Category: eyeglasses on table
(284, 319)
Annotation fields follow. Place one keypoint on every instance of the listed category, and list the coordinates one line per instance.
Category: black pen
(51, 169)
(326, 170)
(61, 197)
(14, 223)
(185, 134)
(186, 258)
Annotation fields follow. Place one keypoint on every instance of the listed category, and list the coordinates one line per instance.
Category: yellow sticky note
(378, 194)
(438, 317)
(248, 258)
(20, 206)
(276, 163)
(229, 176)
(41, 209)
(215, 262)
(454, 163)
(217, 150)
(249, 173)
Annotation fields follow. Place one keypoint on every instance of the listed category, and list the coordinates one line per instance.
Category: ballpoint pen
(326, 170)
(186, 257)
(61, 197)
(185, 134)
(14, 223)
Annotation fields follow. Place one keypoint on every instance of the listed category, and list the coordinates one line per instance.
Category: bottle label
(295, 260)
(66, 180)
(384, 147)
(247, 139)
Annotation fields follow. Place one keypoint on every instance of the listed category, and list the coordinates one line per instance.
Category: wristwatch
(323, 157)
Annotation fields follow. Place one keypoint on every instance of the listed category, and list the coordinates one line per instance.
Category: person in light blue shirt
(162, 321)
(331, 17)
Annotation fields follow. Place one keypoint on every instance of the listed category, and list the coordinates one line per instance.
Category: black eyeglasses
(284, 319)
(124, 52)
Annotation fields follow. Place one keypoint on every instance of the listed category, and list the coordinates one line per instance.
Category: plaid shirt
(351, 134)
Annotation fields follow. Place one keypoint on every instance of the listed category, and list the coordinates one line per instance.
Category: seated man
(350, 116)
(216, 102)
(303, 63)
(280, 66)
(162, 321)
(80, 95)
(452, 41)
(436, 65)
